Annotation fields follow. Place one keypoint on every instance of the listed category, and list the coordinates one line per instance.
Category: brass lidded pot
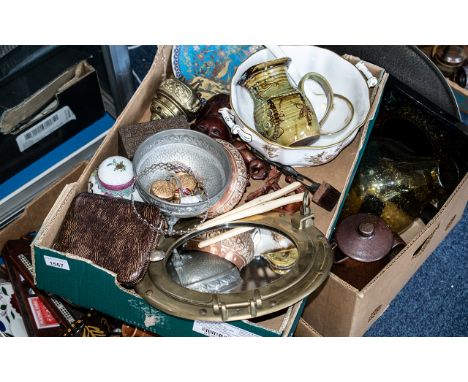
(174, 98)
(449, 58)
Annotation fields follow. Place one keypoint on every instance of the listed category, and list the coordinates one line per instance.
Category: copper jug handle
(398, 244)
(325, 85)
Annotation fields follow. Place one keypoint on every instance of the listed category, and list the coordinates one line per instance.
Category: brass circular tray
(309, 272)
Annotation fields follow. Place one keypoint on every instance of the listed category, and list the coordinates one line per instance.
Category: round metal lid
(364, 237)
(451, 54)
(308, 273)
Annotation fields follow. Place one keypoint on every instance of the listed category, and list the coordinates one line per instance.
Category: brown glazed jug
(282, 113)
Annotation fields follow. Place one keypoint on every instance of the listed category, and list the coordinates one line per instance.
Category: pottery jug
(282, 113)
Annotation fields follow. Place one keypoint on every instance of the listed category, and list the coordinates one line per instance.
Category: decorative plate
(209, 68)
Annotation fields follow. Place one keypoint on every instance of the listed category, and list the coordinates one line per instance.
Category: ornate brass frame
(309, 272)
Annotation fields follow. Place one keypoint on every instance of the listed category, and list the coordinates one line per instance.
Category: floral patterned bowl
(344, 78)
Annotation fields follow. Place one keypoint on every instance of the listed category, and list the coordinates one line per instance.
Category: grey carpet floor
(435, 301)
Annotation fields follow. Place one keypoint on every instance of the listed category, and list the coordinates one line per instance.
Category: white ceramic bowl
(344, 78)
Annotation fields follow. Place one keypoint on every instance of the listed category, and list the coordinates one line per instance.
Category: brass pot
(174, 98)
(397, 185)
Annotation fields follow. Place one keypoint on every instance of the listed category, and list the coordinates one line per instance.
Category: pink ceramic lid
(116, 173)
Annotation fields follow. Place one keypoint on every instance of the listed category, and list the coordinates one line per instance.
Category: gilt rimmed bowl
(345, 80)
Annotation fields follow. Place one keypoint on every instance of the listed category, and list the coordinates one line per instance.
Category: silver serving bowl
(206, 158)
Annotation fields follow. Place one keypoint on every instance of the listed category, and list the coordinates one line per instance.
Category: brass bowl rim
(307, 274)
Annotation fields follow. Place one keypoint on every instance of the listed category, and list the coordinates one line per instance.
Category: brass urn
(395, 184)
(174, 98)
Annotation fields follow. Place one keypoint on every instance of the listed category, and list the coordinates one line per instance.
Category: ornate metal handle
(371, 80)
(235, 128)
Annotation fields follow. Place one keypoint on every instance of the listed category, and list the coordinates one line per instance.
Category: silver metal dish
(206, 159)
(203, 272)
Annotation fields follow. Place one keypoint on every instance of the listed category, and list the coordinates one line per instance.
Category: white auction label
(44, 128)
(220, 329)
(56, 263)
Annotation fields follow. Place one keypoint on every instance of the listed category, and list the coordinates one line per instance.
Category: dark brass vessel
(395, 184)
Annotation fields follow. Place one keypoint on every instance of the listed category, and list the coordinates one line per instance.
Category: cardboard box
(93, 287)
(48, 118)
(339, 309)
(21, 188)
(304, 329)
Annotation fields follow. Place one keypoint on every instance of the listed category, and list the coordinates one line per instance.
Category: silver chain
(175, 167)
